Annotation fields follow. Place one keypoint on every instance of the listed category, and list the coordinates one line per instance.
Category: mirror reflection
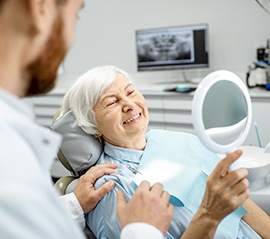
(224, 112)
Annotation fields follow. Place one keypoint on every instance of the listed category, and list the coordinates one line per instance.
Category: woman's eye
(131, 92)
(110, 103)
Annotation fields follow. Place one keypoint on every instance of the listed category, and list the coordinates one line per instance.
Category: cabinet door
(45, 107)
(177, 112)
(155, 108)
(260, 115)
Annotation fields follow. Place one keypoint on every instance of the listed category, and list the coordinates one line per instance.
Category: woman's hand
(148, 204)
(85, 191)
(225, 191)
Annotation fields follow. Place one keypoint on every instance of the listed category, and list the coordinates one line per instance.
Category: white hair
(85, 92)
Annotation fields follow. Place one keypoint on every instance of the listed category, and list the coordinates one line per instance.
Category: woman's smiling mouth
(133, 118)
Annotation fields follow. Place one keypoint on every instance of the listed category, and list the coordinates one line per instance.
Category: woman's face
(122, 114)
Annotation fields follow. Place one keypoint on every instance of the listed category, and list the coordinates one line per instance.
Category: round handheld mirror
(221, 112)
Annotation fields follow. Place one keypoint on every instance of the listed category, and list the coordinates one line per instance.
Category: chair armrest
(62, 183)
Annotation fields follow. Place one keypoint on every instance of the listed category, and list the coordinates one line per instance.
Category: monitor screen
(167, 48)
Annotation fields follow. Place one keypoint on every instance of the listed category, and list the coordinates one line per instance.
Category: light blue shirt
(103, 221)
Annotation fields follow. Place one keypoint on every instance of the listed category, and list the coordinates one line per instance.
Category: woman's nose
(128, 106)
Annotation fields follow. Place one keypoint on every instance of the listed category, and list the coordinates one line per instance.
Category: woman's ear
(99, 137)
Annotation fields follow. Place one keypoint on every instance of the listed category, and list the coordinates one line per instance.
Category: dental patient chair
(78, 152)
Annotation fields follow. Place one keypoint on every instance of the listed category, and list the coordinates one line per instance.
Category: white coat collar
(19, 116)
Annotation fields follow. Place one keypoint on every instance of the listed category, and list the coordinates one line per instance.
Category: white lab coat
(29, 204)
(140, 231)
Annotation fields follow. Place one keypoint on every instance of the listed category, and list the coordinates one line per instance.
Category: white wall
(106, 33)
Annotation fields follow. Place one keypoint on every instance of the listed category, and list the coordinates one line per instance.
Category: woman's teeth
(133, 118)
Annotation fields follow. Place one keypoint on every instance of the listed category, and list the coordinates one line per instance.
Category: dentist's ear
(43, 13)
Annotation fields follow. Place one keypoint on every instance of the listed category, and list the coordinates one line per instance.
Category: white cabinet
(169, 110)
(260, 115)
(45, 106)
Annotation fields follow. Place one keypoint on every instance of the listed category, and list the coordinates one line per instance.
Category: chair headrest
(80, 149)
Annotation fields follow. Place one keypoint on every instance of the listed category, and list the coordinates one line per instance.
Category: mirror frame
(197, 108)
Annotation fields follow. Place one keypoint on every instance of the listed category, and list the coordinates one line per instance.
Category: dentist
(35, 36)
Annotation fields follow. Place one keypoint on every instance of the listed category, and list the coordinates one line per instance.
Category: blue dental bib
(182, 164)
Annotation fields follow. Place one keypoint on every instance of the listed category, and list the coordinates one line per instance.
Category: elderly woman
(105, 103)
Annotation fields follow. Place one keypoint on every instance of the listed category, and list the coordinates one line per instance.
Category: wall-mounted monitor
(168, 48)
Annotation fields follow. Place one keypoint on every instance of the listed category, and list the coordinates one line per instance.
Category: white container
(257, 162)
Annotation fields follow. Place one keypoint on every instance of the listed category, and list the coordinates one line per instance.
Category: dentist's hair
(85, 92)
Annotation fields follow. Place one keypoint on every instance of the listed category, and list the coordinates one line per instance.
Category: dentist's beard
(42, 73)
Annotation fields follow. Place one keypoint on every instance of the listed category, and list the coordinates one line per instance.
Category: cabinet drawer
(48, 100)
(48, 111)
(154, 102)
(178, 103)
(179, 116)
(156, 116)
